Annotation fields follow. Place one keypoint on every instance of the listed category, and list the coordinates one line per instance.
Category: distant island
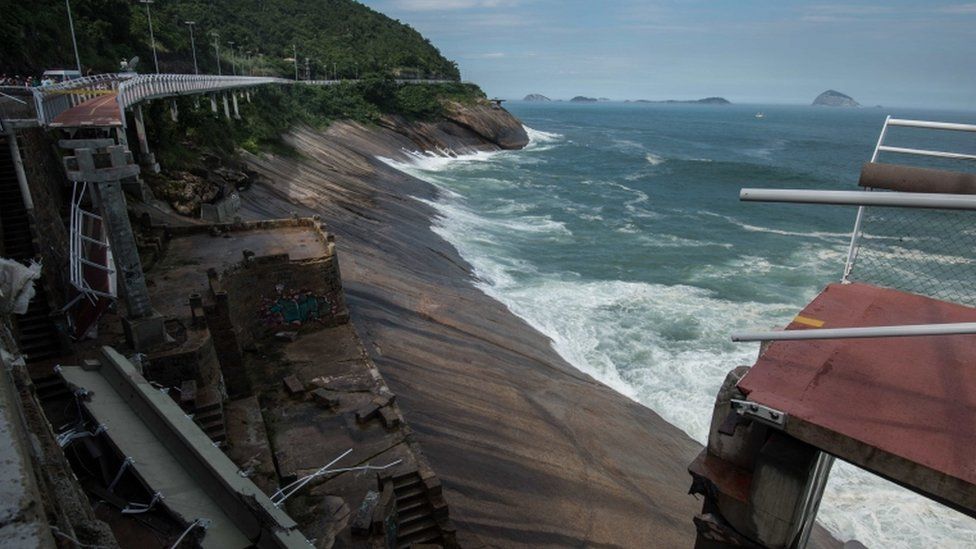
(536, 97)
(705, 101)
(833, 98)
(583, 99)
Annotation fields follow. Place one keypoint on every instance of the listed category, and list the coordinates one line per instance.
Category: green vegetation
(339, 38)
(276, 109)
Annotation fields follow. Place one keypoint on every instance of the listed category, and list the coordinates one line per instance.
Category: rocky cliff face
(833, 98)
(466, 128)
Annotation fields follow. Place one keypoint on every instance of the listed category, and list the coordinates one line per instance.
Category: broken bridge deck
(903, 408)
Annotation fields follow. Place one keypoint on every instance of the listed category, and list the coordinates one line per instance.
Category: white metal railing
(880, 147)
(54, 99)
(868, 332)
(156, 86)
(50, 101)
(939, 201)
(87, 233)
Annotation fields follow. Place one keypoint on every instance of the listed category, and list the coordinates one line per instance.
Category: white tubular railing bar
(937, 201)
(905, 330)
(21, 101)
(925, 152)
(931, 125)
(859, 219)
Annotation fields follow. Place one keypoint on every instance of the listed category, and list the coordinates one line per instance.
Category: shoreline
(531, 451)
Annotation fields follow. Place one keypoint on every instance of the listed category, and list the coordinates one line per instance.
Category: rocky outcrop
(536, 97)
(833, 98)
(493, 123)
(583, 99)
(464, 128)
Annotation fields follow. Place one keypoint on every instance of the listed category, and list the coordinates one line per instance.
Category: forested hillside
(337, 37)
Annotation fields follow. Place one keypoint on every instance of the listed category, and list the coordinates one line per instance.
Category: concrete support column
(174, 110)
(19, 170)
(226, 107)
(213, 103)
(146, 158)
(248, 94)
(760, 486)
(237, 114)
(143, 326)
(227, 346)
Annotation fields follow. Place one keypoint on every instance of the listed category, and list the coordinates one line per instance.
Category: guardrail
(54, 99)
(17, 106)
(157, 86)
(50, 101)
(914, 225)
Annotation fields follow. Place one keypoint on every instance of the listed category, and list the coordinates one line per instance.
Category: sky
(893, 53)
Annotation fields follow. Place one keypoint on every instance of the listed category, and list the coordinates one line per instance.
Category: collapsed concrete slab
(177, 461)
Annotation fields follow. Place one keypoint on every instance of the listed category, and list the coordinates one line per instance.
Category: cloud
(448, 5)
(959, 9)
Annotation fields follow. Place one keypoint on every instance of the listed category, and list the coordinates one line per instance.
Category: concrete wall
(266, 293)
(49, 191)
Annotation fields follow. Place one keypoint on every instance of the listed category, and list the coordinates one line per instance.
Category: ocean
(619, 234)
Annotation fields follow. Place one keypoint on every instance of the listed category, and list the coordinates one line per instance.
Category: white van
(56, 76)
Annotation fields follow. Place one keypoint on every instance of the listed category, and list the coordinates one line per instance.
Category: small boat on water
(760, 115)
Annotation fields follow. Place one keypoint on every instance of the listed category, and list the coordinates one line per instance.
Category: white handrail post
(859, 219)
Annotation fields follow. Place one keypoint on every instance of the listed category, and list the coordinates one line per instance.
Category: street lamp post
(193, 46)
(295, 59)
(216, 38)
(74, 41)
(152, 37)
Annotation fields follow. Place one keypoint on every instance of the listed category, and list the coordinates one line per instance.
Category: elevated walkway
(101, 111)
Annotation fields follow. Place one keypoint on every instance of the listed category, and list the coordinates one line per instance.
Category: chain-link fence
(922, 251)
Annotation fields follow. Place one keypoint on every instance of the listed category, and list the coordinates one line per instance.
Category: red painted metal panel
(914, 397)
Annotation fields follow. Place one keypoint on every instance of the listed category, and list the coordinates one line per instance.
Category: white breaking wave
(430, 161)
(540, 140)
(667, 346)
(653, 159)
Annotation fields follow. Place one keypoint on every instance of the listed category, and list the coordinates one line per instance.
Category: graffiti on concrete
(297, 307)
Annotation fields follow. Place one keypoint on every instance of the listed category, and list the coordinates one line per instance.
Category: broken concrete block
(325, 399)
(286, 336)
(90, 364)
(364, 514)
(188, 394)
(391, 420)
(384, 514)
(367, 412)
(293, 386)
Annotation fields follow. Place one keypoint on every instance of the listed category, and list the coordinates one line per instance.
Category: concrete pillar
(226, 107)
(19, 170)
(174, 110)
(237, 114)
(248, 93)
(144, 327)
(121, 137)
(784, 480)
(146, 158)
(227, 346)
(213, 103)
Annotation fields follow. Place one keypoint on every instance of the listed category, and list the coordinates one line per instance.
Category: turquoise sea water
(619, 234)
